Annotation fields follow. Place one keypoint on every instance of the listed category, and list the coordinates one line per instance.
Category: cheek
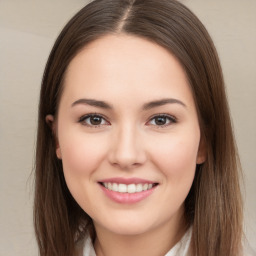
(81, 157)
(177, 162)
(81, 154)
(176, 158)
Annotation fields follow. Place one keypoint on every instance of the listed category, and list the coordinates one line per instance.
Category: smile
(128, 188)
(127, 191)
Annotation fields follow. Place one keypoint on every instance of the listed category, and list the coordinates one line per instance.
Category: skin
(128, 72)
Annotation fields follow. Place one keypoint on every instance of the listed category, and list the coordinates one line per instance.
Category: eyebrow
(94, 103)
(158, 103)
(146, 106)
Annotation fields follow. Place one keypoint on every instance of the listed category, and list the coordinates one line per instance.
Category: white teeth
(122, 188)
(131, 188)
(145, 187)
(115, 187)
(138, 187)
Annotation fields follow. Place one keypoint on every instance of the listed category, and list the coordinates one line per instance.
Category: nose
(127, 149)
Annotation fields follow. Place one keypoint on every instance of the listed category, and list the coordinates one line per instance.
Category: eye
(162, 120)
(93, 120)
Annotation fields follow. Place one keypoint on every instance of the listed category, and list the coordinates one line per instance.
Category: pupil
(160, 120)
(95, 120)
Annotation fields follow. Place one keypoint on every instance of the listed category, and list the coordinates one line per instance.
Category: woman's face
(128, 134)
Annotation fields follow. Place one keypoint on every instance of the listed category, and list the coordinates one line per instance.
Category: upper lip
(126, 181)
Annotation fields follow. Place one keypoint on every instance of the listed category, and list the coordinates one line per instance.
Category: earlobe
(58, 152)
(201, 154)
(51, 122)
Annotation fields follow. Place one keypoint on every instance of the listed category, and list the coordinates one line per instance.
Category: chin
(129, 230)
(127, 226)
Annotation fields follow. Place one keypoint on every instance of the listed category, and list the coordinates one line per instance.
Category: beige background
(28, 29)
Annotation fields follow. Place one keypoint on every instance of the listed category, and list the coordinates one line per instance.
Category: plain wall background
(28, 29)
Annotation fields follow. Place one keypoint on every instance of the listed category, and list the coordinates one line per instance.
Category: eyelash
(82, 120)
(171, 119)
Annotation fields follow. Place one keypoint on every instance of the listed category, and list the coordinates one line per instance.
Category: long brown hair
(214, 205)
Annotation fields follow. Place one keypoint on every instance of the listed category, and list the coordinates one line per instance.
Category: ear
(52, 124)
(202, 152)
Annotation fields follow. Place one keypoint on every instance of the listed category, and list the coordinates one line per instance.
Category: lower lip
(127, 198)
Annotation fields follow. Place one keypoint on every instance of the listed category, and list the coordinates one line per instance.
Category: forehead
(124, 50)
(117, 65)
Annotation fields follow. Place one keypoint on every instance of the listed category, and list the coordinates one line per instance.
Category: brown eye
(93, 120)
(162, 120)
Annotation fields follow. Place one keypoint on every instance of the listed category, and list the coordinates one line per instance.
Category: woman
(135, 150)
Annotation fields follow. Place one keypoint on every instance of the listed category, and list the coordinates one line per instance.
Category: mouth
(128, 188)
(127, 191)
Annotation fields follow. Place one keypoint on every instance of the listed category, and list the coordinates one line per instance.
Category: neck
(157, 241)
